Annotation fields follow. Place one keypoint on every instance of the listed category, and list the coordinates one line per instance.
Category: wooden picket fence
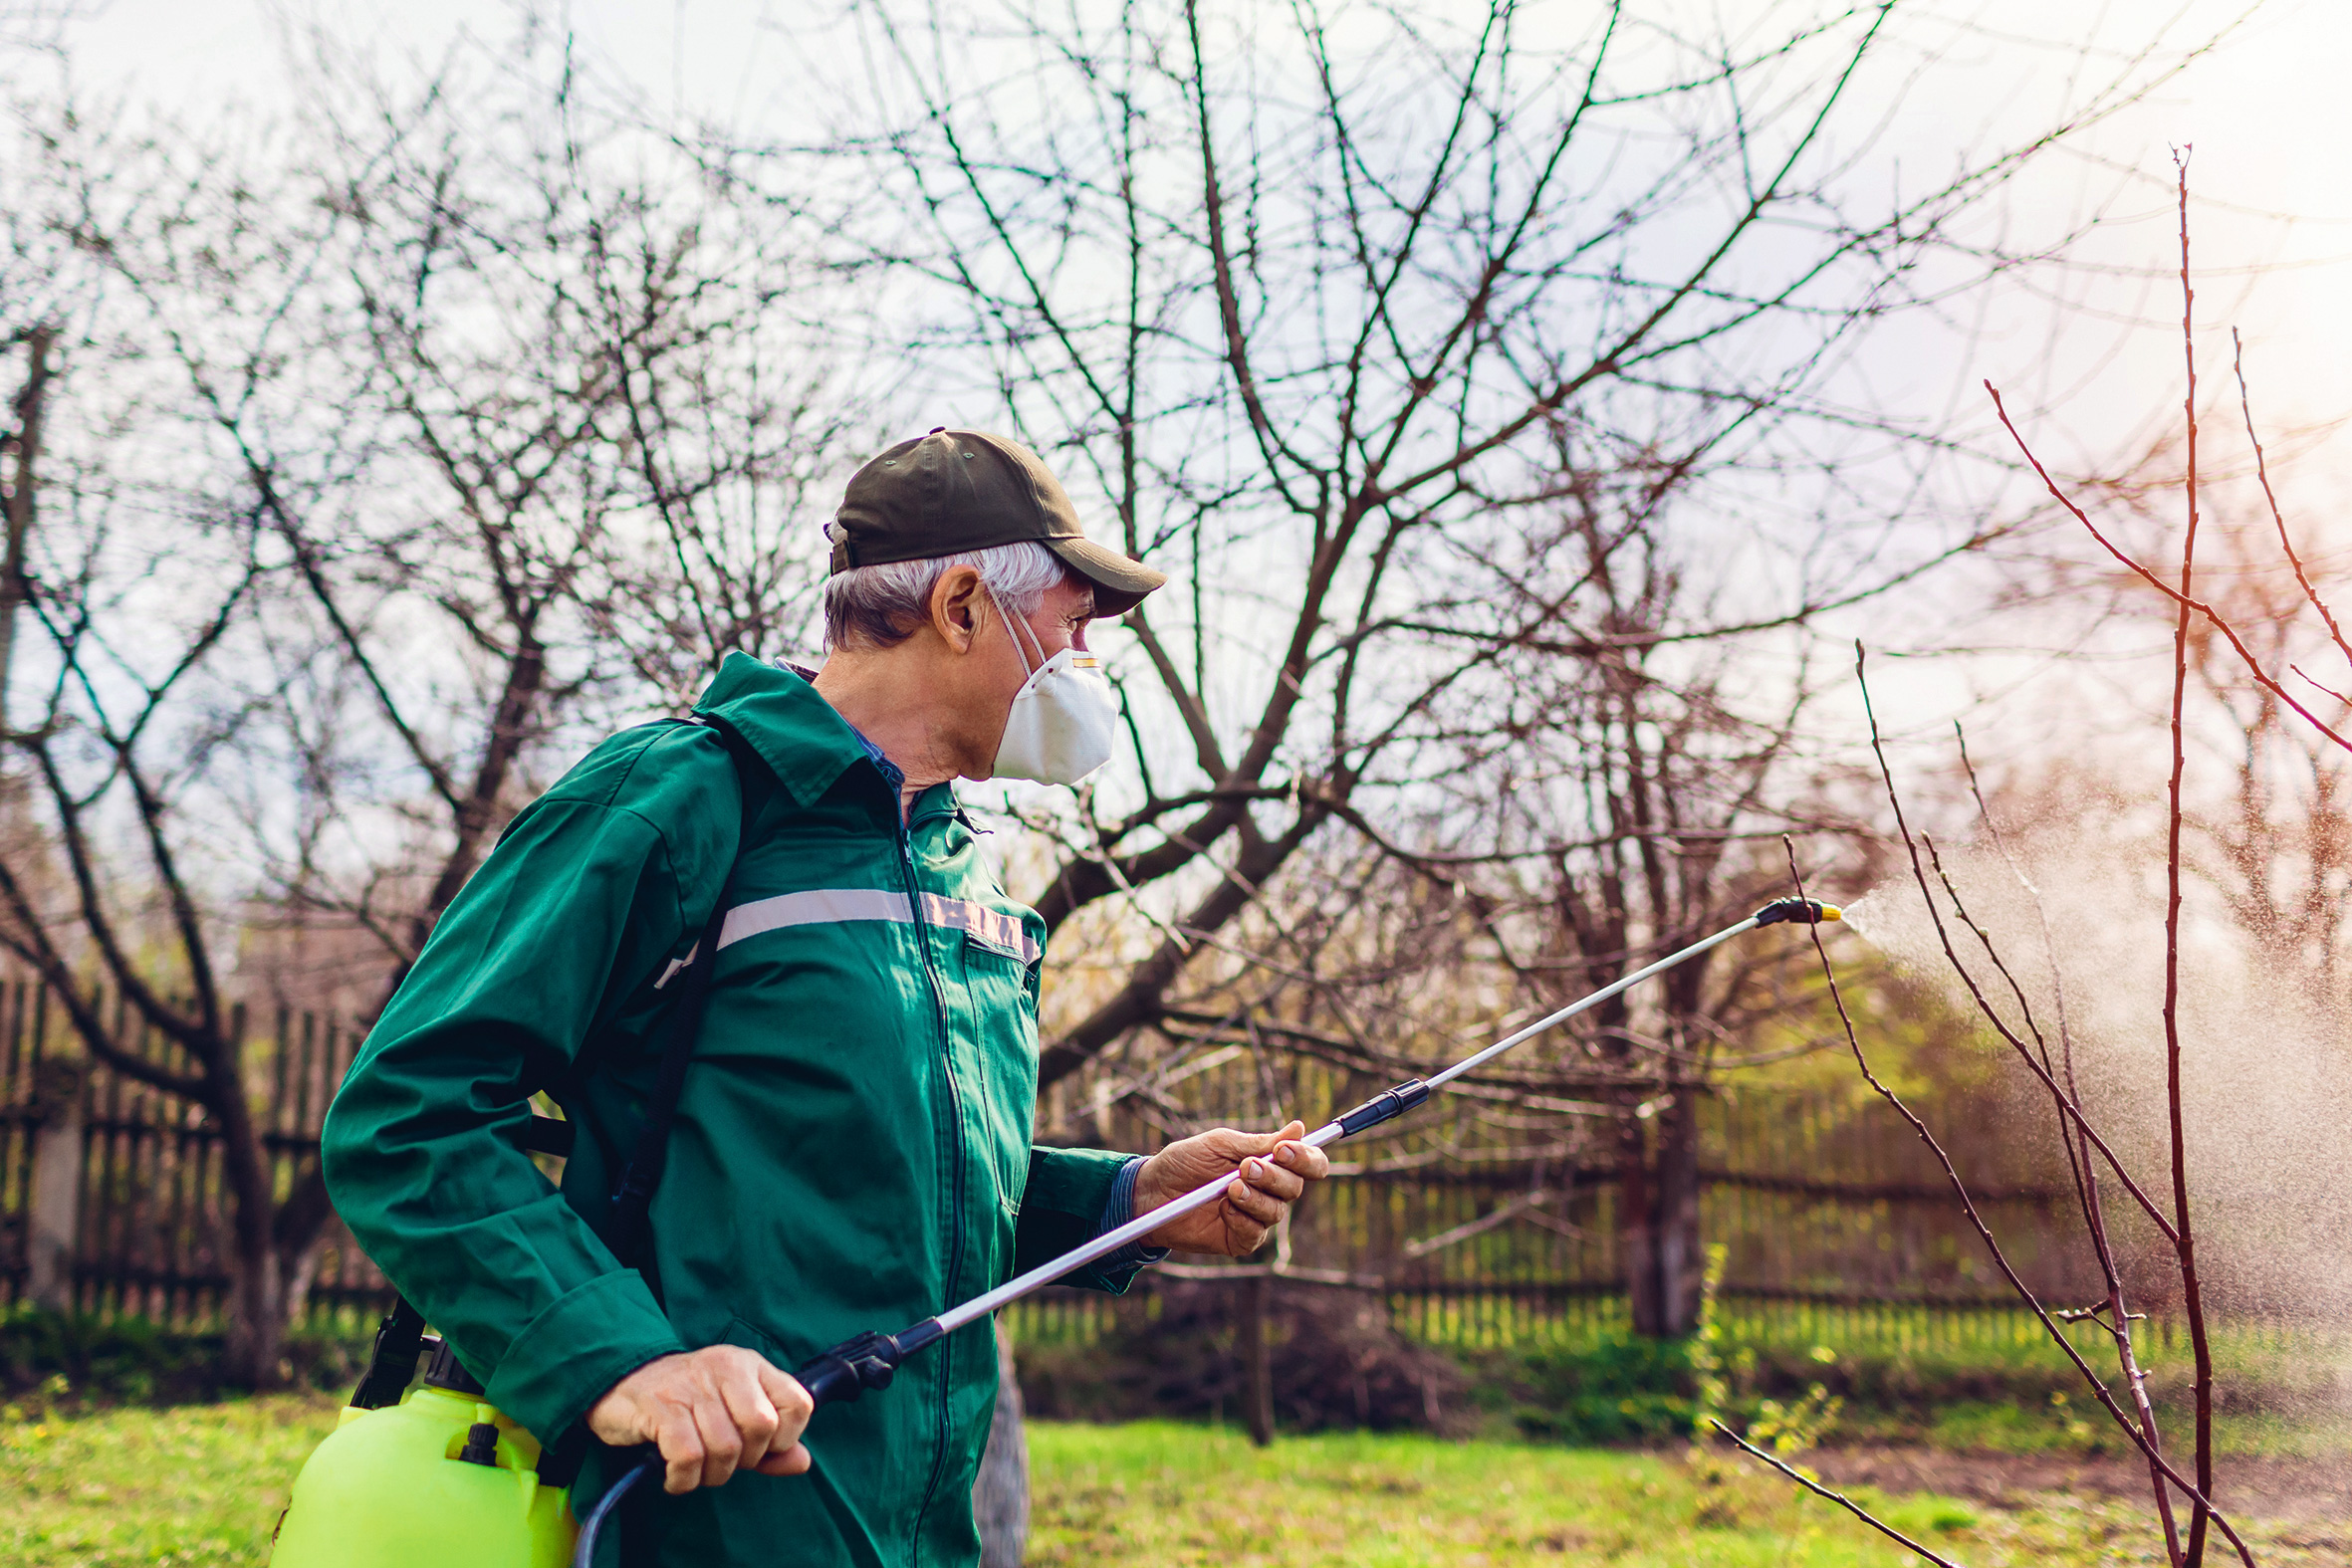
(1826, 1202)
(150, 1213)
(1837, 1222)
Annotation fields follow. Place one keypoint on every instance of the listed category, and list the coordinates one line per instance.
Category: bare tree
(1338, 317)
(1337, 361)
(480, 433)
(1591, 812)
(130, 630)
(20, 448)
(602, 411)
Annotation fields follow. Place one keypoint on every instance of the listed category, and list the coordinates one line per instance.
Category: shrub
(129, 1360)
(1336, 1363)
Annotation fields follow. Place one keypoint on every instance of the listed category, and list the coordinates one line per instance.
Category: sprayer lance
(844, 1373)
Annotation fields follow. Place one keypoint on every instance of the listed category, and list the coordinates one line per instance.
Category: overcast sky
(2086, 351)
(2269, 115)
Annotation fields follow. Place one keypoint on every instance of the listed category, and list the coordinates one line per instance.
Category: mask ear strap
(1011, 622)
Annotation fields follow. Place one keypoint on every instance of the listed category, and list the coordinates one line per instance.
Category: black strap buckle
(391, 1366)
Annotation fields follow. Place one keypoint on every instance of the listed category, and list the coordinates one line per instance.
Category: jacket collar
(938, 800)
(796, 733)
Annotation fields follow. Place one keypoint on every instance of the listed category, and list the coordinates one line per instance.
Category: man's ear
(956, 608)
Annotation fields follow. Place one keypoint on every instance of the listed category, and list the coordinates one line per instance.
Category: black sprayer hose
(847, 1371)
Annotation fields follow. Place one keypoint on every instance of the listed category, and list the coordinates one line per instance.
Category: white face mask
(1064, 717)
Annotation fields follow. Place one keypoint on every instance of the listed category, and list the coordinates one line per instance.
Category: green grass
(2076, 1426)
(2013, 1396)
(184, 1485)
(202, 1485)
(1163, 1493)
(1190, 1497)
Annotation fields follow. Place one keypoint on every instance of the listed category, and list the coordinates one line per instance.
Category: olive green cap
(957, 490)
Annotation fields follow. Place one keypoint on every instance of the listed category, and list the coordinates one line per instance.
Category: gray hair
(882, 606)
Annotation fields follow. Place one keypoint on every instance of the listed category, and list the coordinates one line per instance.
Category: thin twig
(2185, 1240)
(2068, 1104)
(2322, 685)
(2087, 1175)
(2245, 409)
(1838, 1497)
(2212, 616)
(2096, 1385)
(2086, 1184)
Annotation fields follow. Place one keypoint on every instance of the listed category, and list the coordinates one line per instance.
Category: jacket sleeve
(575, 907)
(1061, 1207)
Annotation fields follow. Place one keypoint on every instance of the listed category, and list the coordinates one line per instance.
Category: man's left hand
(1269, 1171)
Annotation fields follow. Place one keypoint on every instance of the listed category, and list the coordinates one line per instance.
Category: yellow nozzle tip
(1832, 912)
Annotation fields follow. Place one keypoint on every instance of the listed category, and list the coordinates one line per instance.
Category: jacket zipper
(955, 1102)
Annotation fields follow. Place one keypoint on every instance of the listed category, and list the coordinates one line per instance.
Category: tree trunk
(16, 500)
(1680, 1256)
(257, 1300)
(55, 1217)
(1658, 1217)
(1000, 1496)
(1636, 1242)
(257, 1318)
(1258, 1358)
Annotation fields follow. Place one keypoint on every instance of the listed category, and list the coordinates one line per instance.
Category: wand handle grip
(838, 1376)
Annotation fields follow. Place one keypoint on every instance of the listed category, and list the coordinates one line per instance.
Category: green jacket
(852, 1150)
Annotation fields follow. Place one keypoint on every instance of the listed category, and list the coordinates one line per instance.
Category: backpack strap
(400, 1338)
(627, 1230)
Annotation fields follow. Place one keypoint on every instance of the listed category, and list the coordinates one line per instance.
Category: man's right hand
(712, 1412)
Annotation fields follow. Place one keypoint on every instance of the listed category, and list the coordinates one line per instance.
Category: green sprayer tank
(438, 1480)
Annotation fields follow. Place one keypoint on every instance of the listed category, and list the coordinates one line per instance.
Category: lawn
(202, 1484)
(185, 1485)
(1163, 1493)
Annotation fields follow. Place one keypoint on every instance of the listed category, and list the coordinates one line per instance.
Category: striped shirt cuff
(1118, 1210)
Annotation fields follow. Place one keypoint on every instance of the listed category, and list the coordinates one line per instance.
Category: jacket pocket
(747, 1335)
(990, 964)
(1000, 986)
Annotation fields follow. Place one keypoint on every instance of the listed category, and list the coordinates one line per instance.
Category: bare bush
(2125, 1207)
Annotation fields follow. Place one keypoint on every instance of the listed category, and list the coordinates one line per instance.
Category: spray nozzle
(1811, 911)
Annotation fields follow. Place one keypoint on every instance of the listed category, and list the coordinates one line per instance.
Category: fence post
(55, 1222)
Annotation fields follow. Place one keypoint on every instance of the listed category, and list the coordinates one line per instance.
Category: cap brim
(1120, 583)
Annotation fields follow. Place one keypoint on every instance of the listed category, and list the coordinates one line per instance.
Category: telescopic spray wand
(869, 1361)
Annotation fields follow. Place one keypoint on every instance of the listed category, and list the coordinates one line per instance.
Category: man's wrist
(1118, 1207)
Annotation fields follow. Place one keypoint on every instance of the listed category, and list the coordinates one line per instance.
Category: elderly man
(851, 1147)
